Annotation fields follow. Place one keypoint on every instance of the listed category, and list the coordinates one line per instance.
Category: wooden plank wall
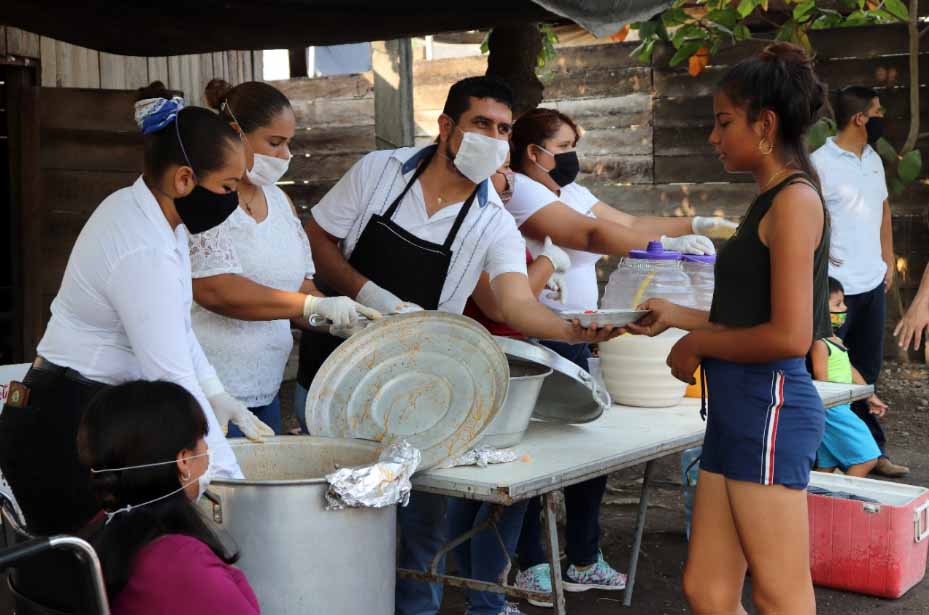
(335, 127)
(66, 65)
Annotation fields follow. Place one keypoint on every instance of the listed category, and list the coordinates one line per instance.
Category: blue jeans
(270, 415)
(300, 406)
(582, 501)
(481, 558)
(423, 531)
(863, 335)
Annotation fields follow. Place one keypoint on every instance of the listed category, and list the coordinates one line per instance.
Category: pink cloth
(180, 575)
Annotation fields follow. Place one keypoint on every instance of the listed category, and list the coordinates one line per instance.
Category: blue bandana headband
(153, 114)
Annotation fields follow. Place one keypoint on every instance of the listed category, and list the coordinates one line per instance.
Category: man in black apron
(388, 234)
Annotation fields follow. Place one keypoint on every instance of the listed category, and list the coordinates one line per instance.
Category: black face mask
(566, 167)
(875, 128)
(204, 209)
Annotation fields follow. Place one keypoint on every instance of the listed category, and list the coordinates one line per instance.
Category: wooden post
(392, 64)
(298, 64)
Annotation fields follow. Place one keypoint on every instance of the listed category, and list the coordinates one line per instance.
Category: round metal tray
(434, 379)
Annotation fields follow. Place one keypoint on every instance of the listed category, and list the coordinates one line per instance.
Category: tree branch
(923, 33)
(913, 28)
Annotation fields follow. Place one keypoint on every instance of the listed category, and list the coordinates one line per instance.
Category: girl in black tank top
(765, 419)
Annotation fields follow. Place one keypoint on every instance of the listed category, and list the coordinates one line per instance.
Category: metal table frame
(475, 484)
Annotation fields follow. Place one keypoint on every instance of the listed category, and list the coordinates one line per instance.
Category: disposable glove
(341, 311)
(715, 228)
(688, 244)
(384, 301)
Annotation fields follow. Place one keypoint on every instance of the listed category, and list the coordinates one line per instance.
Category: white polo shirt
(123, 310)
(529, 197)
(488, 239)
(855, 190)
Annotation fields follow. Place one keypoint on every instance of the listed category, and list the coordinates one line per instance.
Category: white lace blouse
(250, 356)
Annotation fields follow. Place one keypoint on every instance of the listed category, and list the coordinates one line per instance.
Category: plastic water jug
(700, 269)
(646, 274)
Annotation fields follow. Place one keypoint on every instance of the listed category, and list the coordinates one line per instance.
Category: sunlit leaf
(698, 61)
(802, 11)
(897, 9)
(747, 6)
(621, 35)
(686, 50)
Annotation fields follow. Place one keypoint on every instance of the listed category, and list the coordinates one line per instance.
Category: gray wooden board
(559, 455)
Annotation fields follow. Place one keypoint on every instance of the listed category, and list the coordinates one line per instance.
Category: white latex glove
(384, 301)
(558, 284)
(715, 228)
(228, 408)
(341, 311)
(559, 258)
(688, 244)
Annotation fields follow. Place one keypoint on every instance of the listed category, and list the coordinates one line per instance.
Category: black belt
(47, 367)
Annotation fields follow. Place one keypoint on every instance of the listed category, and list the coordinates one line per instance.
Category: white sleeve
(529, 196)
(212, 253)
(341, 207)
(583, 199)
(507, 252)
(310, 268)
(145, 291)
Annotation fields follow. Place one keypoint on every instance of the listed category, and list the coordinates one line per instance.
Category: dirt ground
(658, 586)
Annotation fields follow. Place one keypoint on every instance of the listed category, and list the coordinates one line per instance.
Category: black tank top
(742, 297)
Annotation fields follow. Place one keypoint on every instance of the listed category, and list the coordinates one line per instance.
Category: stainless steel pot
(510, 424)
(299, 557)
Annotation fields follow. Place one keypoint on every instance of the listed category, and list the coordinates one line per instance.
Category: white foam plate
(602, 318)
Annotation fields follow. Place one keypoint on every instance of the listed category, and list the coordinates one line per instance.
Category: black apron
(393, 258)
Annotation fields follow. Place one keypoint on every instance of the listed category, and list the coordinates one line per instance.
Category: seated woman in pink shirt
(144, 443)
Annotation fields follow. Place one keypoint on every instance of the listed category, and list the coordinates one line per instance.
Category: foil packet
(482, 457)
(376, 485)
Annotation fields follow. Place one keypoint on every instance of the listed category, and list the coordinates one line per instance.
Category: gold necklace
(775, 176)
(248, 203)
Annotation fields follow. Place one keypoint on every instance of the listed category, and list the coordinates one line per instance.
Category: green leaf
(746, 7)
(485, 44)
(686, 32)
(675, 17)
(911, 165)
(647, 29)
(728, 18)
(896, 186)
(686, 50)
(886, 150)
(742, 33)
(858, 18)
(819, 132)
(802, 11)
(898, 9)
(643, 52)
(787, 31)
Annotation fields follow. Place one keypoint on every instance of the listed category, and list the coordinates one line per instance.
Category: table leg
(639, 531)
(554, 559)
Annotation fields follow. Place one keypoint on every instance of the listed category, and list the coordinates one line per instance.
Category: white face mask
(203, 481)
(267, 170)
(479, 156)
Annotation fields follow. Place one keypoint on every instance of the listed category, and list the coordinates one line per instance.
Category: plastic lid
(655, 252)
(699, 258)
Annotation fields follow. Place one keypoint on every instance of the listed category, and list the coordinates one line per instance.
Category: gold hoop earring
(765, 147)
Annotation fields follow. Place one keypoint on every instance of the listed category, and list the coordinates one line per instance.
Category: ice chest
(875, 548)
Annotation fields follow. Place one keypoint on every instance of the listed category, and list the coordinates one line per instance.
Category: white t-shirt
(529, 196)
(123, 310)
(488, 239)
(854, 190)
(250, 355)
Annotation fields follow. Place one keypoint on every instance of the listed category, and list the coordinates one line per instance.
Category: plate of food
(603, 318)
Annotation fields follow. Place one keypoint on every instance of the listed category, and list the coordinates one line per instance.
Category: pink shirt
(180, 575)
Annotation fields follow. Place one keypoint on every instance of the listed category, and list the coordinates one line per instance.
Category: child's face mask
(838, 319)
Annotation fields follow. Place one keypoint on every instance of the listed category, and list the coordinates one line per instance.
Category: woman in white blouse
(253, 272)
(123, 312)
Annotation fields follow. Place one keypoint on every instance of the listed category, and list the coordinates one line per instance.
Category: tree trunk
(913, 27)
(514, 52)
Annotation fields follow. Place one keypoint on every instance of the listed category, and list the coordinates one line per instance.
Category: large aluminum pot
(510, 425)
(299, 557)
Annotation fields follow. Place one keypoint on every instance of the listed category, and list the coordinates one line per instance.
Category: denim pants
(582, 501)
(269, 414)
(300, 394)
(482, 558)
(863, 335)
(423, 528)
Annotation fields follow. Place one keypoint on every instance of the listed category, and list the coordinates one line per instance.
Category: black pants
(38, 454)
(863, 334)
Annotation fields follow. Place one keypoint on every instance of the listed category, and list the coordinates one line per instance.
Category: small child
(847, 443)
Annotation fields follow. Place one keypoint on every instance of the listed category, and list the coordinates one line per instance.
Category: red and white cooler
(876, 547)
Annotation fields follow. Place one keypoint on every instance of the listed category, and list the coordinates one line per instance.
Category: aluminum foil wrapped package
(383, 483)
(481, 457)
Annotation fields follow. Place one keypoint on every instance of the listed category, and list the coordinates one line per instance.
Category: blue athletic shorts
(764, 422)
(847, 441)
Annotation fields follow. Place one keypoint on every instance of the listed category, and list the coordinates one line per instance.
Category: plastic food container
(646, 274)
(700, 269)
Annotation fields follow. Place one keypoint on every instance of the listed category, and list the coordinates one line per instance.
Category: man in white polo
(862, 255)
